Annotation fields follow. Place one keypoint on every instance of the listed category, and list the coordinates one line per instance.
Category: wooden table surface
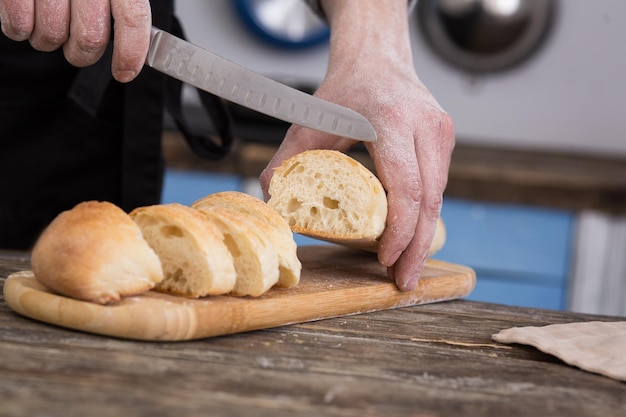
(430, 360)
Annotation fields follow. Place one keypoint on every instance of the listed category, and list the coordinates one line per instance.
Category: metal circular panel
(286, 23)
(485, 35)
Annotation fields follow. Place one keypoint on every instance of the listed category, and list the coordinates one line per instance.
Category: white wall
(571, 95)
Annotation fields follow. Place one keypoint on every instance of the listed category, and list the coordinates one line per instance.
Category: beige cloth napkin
(594, 346)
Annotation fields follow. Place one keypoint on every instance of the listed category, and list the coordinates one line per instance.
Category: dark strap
(92, 82)
(204, 146)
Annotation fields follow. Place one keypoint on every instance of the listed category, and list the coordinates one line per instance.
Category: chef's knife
(210, 72)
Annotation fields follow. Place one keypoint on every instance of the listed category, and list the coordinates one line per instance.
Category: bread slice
(328, 195)
(279, 232)
(256, 260)
(95, 252)
(196, 261)
(440, 238)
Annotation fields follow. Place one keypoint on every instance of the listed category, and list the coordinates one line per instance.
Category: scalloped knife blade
(216, 75)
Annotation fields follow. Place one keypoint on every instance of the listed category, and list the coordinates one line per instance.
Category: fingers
(17, 18)
(133, 22)
(399, 173)
(83, 29)
(409, 266)
(90, 30)
(51, 29)
(435, 145)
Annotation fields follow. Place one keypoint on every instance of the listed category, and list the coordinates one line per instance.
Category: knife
(216, 75)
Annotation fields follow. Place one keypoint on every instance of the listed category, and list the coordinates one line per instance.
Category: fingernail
(391, 259)
(124, 76)
(408, 285)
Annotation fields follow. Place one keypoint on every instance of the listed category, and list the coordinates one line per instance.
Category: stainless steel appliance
(568, 94)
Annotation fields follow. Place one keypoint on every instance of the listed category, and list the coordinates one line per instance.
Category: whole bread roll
(254, 256)
(196, 261)
(328, 195)
(279, 232)
(95, 252)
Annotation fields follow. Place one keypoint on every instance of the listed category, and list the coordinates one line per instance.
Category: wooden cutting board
(335, 281)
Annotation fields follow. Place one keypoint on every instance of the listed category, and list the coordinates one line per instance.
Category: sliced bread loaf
(255, 258)
(330, 196)
(279, 232)
(196, 260)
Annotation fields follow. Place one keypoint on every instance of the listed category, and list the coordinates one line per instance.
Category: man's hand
(371, 71)
(83, 29)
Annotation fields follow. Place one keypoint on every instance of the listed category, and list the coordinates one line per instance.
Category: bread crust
(328, 195)
(195, 259)
(95, 252)
(255, 258)
(279, 232)
(310, 188)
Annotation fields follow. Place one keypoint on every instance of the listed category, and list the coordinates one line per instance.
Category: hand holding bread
(225, 243)
(371, 70)
(328, 195)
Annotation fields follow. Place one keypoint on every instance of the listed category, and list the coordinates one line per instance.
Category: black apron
(69, 135)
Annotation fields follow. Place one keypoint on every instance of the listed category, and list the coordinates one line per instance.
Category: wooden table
(430, 360)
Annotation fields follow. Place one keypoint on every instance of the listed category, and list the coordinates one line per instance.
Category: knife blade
(212, 73)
